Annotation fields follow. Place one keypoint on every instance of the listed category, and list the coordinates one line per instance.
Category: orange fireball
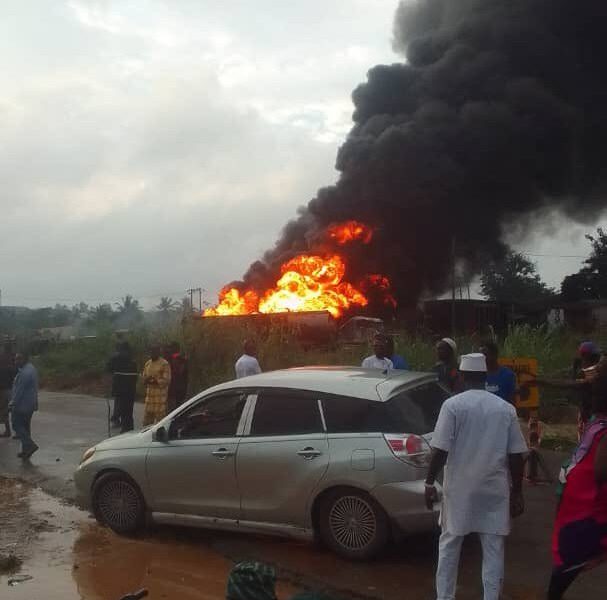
(233, 302)
(350, 231)
(312, 283)
(309, 283)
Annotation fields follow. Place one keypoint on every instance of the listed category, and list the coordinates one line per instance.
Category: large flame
(350, 231)
(233, 302)
(309, 283)
(312, 283)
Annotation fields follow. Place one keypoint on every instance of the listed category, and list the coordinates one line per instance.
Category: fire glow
(308, 282)
(350, 231)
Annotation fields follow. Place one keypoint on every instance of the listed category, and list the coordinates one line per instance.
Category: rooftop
(369, 384)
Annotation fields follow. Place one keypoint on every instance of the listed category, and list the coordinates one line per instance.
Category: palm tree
(102, 313)
(166, 305)
(128, 305)
(129, 311)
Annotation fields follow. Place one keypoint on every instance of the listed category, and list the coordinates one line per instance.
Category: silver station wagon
(335, 454)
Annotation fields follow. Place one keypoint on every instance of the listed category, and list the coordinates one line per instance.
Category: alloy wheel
(119, 505)
(352, 522)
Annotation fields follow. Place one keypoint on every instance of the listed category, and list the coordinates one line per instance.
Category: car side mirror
(161, 435)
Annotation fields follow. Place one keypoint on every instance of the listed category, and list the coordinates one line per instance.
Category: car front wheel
(118, 503)
(353, 525)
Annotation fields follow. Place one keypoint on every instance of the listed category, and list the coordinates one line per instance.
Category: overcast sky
(147, 146)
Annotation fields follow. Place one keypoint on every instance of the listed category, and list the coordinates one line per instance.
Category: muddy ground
(59, 552)
(68, 556)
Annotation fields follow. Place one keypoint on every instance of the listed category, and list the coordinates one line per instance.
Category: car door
(282, 458)
(194, 471)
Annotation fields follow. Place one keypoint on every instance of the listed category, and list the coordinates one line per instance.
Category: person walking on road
(247, 364)
(579, 539)
(24, 402)
(156, 378)
(380, 359)
(178, 388)
(479, 442)
(124, 386)
(7, 375)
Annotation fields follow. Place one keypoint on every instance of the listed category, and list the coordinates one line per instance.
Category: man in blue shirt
(398, 361)
(24, 402)
(501, 381)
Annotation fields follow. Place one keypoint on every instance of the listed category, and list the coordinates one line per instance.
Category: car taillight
(412, 449)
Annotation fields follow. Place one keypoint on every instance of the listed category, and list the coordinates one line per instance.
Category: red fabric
(582, 500)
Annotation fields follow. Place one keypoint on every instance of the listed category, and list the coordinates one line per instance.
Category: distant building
(471, 316)
(586, 316)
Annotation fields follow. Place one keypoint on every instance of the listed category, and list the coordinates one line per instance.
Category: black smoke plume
(498, 112)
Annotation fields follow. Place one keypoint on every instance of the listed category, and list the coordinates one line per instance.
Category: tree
(128, 305)
(166, 307)
(101, 315)
(129, 311)
(590, 282)
(514, 280)
(80, 310)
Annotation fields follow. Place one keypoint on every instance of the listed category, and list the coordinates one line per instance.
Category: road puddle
(64, 555)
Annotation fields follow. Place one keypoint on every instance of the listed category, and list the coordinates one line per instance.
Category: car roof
(356, 382)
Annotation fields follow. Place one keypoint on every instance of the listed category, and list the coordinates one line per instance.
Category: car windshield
(416, 410)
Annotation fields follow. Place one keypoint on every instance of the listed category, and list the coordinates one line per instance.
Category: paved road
(68, 424)
(64, 427)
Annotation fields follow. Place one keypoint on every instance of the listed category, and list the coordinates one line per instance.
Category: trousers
(22, 424)
(449, 550)
(124, 410)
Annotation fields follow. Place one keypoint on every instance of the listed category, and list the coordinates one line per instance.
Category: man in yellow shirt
(156, 378)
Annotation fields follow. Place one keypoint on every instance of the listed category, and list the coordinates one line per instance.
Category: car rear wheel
(118, 503)
(353, 525)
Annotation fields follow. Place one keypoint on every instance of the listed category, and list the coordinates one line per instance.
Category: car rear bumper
(405, 504)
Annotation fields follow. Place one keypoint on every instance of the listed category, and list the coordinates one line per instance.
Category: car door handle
(223, 453)
(309, 453)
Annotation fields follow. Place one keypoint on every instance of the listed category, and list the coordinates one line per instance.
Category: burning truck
(312, 291)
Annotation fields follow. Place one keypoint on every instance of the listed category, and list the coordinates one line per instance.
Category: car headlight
(88, 454)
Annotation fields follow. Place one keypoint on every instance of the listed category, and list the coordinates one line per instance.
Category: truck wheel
(353, 525)
(118, 503)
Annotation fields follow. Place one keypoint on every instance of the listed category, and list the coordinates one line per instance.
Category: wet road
(61, 544)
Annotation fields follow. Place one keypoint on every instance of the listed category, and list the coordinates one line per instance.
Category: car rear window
(354, 415)
(416, 410)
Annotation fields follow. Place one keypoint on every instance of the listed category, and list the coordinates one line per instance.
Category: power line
(555, 255)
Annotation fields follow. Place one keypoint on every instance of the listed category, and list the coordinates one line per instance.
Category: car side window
(217, 416)
(284, 412)
(354, 415)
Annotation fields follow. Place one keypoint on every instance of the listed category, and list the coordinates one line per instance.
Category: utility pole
(191, 292)
(453, 287)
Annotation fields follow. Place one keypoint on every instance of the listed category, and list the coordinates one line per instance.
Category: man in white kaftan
(479, 442)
